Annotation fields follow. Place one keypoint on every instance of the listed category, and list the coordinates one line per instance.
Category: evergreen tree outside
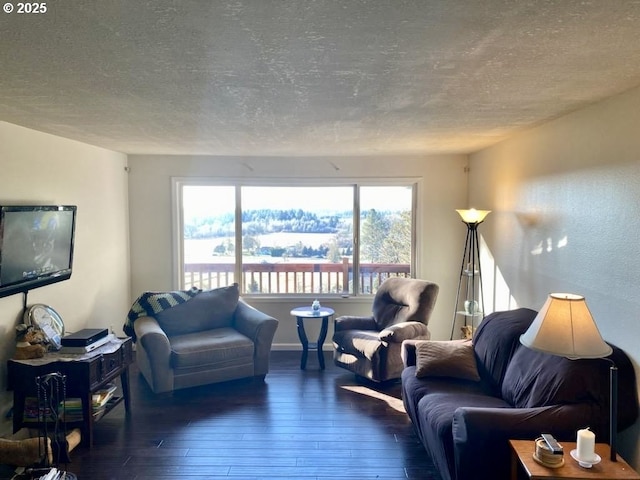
(334, 255)
(397, 244)
(373, 232)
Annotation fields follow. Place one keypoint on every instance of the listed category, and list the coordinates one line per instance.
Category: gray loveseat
(504, 390)
(212, 337)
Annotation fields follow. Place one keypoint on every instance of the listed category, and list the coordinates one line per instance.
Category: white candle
(586, 445)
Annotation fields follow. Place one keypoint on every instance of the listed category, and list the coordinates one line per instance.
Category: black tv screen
(36, 246)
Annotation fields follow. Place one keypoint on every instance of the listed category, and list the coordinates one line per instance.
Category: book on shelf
(100, 411)
(70, 409)
(102, 396)
(72, 403)
(34, 413)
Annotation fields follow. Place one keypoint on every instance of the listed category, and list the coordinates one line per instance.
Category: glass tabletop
(308, 312)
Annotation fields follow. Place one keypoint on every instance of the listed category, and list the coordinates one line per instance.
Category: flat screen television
(36, 246)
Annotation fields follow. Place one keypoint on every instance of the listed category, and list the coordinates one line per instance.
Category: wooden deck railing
(287, 277)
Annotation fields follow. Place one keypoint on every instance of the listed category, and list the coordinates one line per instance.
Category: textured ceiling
(310, 77)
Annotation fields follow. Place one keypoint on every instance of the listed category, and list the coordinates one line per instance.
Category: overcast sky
(202, 201)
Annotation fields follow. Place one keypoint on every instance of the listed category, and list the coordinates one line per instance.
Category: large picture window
(288, 240)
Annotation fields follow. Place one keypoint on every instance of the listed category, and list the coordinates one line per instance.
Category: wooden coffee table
(522, 455)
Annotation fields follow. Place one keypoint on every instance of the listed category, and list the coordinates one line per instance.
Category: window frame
(177, 184)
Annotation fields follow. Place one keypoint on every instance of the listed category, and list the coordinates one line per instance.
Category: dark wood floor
(298, 424)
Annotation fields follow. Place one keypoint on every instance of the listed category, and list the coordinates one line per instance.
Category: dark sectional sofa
(465, 424)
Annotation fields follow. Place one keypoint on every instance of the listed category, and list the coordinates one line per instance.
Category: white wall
(443, 189)
(40, 168)
(565, 199)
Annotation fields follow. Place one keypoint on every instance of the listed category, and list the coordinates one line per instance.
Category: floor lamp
(564, 327)
(470, 269)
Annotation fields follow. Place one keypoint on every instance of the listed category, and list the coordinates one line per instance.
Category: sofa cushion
(210, 347)
(446, 359)
(496, 340)
(207, 310)
(360, 343)
(536, 379)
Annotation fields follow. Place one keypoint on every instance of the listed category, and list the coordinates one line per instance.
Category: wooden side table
(522, 456)
(85, 375)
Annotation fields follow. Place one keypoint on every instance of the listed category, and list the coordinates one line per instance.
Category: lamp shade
(564, 326)
(473, 216)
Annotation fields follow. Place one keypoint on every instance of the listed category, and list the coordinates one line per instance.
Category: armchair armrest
(481, 435)
(351, 322)
(260, 328)
(152, 338)
(404, 331)
(408, 352)
(154, 356)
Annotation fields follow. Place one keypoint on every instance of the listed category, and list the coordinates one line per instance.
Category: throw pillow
(446, 359)
(207, 310)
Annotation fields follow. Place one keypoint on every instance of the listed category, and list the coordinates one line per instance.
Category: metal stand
(468, 305)
(51, 411)
(613, 411)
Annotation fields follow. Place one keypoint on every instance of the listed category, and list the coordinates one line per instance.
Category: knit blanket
(149, 304)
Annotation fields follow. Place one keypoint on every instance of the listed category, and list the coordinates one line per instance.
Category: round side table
(323, 314)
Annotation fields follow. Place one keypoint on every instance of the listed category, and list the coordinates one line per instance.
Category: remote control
(552, 443)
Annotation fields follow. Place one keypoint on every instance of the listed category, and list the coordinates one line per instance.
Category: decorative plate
(48, 320)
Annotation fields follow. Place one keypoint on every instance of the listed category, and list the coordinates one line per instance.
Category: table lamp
(564, 327)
